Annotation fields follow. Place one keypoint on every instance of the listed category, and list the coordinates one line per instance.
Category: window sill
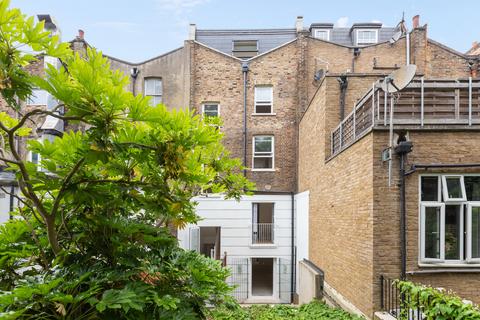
(266, 170)
(264, 114)
(263, 246)
(449, 265)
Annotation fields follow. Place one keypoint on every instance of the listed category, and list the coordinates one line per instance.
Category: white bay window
(450, 219)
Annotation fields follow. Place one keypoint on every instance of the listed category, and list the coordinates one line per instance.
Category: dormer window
(367, 36)
(245, 49)
(322, 34)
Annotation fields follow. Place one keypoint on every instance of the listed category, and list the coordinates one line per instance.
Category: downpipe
(245, 141)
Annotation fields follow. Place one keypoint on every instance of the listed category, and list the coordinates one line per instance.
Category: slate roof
(222, 40)
(268, 39)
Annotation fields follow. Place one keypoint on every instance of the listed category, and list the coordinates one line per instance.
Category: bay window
(450, 219)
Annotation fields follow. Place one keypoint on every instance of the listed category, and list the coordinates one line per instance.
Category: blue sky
(138, 30)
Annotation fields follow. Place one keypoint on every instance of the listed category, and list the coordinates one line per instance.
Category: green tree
(92, 240)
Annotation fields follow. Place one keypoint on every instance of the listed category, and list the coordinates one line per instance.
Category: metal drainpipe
(343, 80)
(403, 213)
(407, 39)
(293, 267)
(245, 142)
(134, 73)
(404, 147)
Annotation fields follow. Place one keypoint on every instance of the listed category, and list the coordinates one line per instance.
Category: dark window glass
(263, 109)
(475, 232)
(429, 188)
(454, 187)
(262, 163)
(432, 232)
(452, 232)
(472, 187)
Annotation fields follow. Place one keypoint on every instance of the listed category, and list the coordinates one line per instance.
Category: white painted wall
(301, 229)
(4, 207)
(235, 220)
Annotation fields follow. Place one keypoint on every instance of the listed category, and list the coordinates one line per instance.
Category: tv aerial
(393, 84)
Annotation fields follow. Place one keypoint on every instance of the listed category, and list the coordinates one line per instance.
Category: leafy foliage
(435, 303)
(92, 239)
(314, 310)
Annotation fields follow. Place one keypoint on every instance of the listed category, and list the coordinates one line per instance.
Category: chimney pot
(81, 34)
(299, 23)
(416, 21)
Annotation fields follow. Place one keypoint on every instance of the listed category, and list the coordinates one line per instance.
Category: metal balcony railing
(422, 102)
(262, 233)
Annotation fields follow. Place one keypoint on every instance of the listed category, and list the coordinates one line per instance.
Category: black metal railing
(395, 303)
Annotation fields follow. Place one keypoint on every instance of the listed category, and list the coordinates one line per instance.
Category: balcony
(422, 103)
(262, 233)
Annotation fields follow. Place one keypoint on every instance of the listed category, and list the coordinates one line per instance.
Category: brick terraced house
(304, 110)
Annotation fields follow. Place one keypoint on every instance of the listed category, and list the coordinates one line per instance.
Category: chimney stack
(192, 31)
(81, 34)
(299, 24)
(416, 21)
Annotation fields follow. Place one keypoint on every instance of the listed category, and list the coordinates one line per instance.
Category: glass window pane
(38, 97)
(472, 187)
(153, 87)
(154, 100)
(432, 232)
(244, 45)
(263, 108)
(263, 144)
(429, 189)
(321, 34)
(263, 94)
(158, 86)
(475, 232)
(262, 163)
(452, 232)
(454, 187)
(149, 87)
(210, 110)
(35, 157)
(366, 36)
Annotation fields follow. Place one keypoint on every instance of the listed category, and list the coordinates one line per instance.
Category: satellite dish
(399, 79)
(396, 36)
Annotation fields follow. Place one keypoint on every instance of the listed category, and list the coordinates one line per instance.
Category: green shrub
(92, 238)
(314, 310)
(436, 304)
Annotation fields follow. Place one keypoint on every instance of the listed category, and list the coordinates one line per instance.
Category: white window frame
(425, 205)
(237, 41)
(468, 258)
(263, 154)
(321, 30)
(155, 95)
(358, 31)
(465, 225)
(263, 103)
(210, 104)
(446, 198)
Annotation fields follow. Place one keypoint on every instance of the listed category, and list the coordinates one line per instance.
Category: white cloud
(342, 22)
